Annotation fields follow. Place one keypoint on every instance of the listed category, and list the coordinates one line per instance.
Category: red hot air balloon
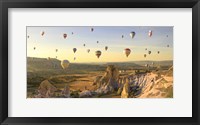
(127, 52)
(65, 35)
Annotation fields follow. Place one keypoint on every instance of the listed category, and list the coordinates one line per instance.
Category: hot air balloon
(64, 64)
(65, 35)
(127, 51)
(72, 33)
(98, 53)
(88, 50)
(34, 48)
(106, 48)
(97, 41)
(56, 50)
(74, 49)
(145, 48)
(122, 36)
(132, 34)
(91, 29)
(145, 55)
(83, 44)
(167, 36)
(74, 58)
(42, 33)
(158, 52)
(167, 45)
(149, 52)
(150, 33)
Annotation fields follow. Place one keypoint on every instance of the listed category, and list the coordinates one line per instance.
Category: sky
(111, 36)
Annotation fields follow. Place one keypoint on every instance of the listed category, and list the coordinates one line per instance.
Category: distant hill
(161, 63)
(53, 66)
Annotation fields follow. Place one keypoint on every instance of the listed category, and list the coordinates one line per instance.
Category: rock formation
(109, 82)
(46, 89)
(126, 90)
(66, 92)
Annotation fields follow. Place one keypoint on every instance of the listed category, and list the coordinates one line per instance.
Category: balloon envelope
(127, 52)
(64, 64)
(42, 33)
(106, 48)
(150, 33)
(98, 53)
(74, 49)
(91, 29)
(65, 35)
(88, 50)
(132, 34)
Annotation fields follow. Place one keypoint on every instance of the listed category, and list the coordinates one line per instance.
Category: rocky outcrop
(66, 92)
(46, 90)
(85, 94)
(126, 90)
(109, 82)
